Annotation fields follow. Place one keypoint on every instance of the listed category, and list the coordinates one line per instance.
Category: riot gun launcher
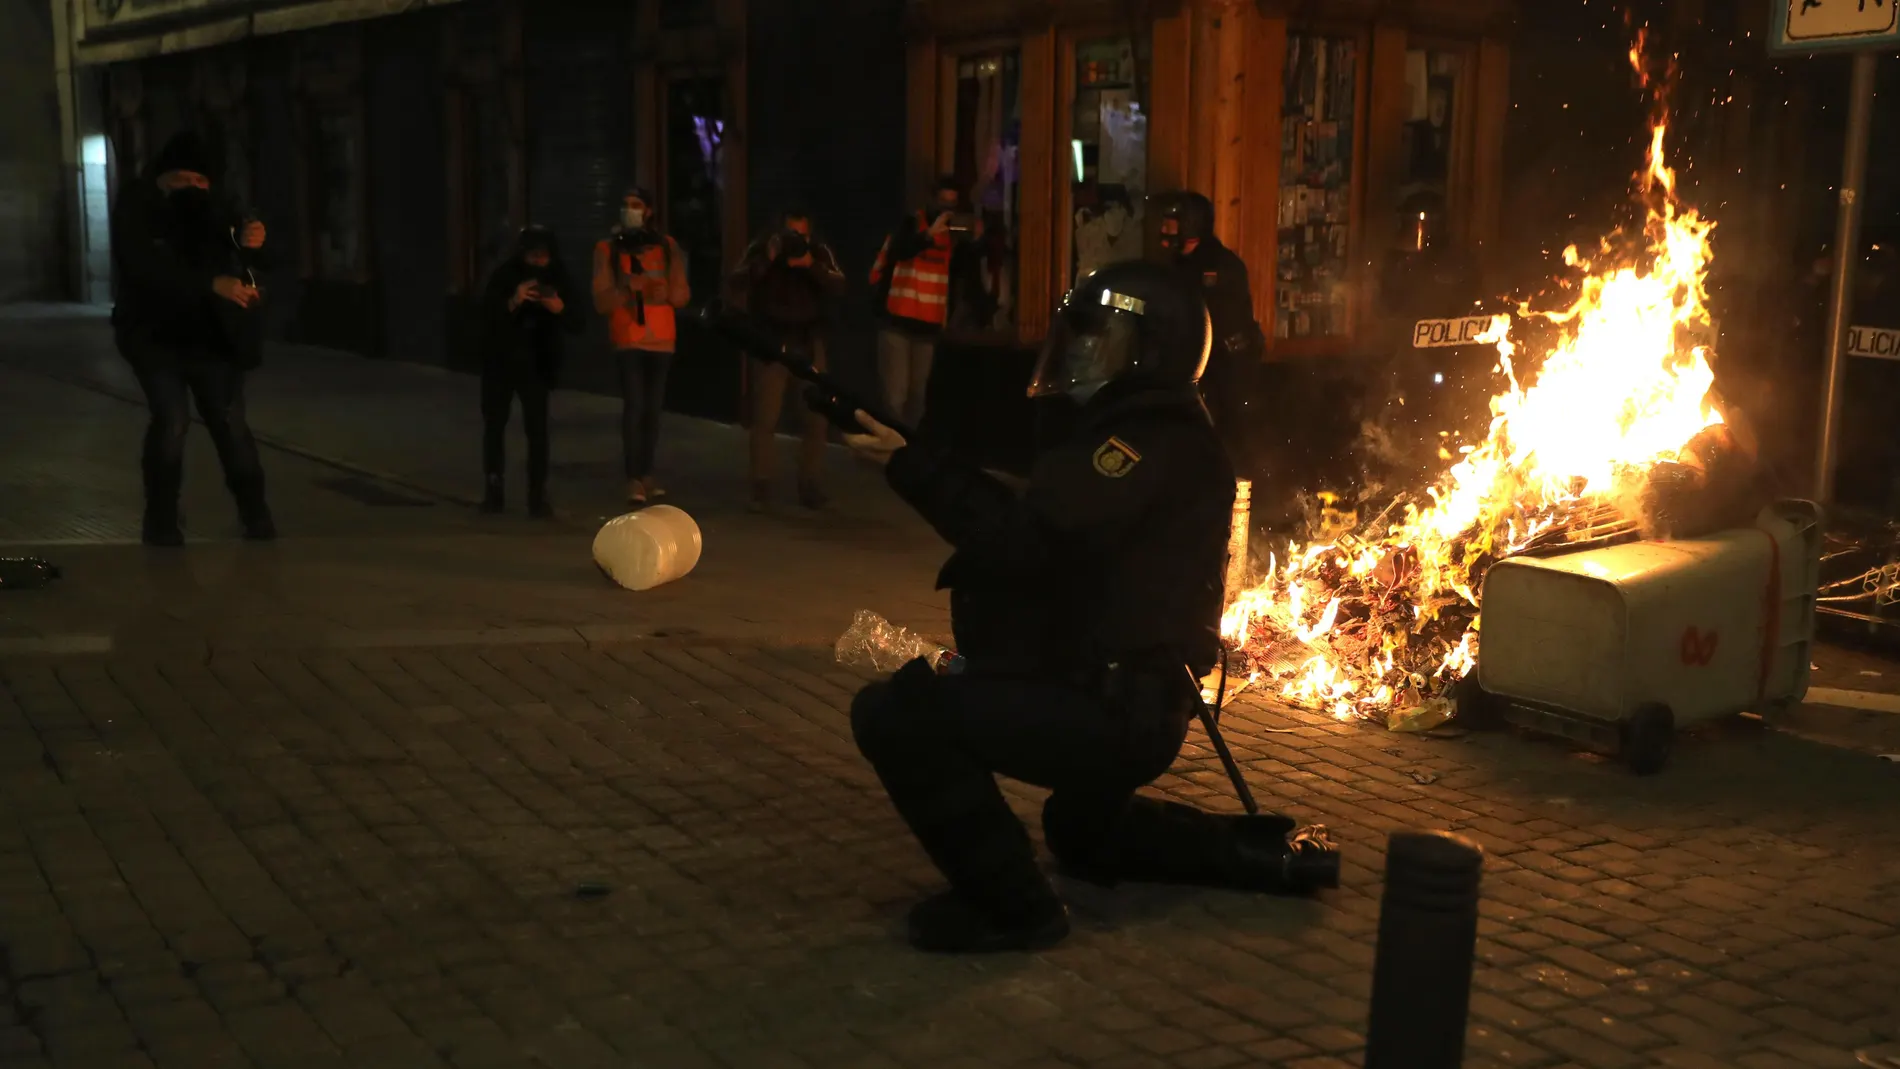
(823, 394)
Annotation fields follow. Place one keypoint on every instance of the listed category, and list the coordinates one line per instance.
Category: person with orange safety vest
(639, 280)
(912, 280)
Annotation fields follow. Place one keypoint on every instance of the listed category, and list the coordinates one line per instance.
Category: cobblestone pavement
(331, 801)
(372, 857)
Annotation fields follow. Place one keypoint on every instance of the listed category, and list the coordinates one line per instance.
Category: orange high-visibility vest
(624, 327)
(920, 286)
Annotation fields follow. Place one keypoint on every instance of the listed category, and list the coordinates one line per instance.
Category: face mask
(190, 202)
(633, 218)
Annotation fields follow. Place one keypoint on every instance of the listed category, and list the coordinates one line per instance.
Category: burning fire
(1381, 616)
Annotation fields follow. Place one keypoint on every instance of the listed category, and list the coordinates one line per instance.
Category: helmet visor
(1088, 347)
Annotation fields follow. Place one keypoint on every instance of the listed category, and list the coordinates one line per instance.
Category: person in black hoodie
(188, 321)
(528, 307)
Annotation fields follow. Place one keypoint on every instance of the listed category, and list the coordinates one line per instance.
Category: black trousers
(938, 743)
(503, 380)
(173, 378)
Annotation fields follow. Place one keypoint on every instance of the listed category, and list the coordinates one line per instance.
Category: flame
(1342, 624)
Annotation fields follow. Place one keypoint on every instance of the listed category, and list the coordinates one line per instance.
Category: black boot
(948, 923)
(161, 525)
(493, 501)
(253, 510)
(538, 506)
(161, 529)
(259, 526)
(1271, 855)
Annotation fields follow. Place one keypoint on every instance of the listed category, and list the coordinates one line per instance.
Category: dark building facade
(395, 158)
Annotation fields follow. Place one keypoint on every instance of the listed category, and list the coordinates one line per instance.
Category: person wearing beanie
(639, 282)
(528, 308)
(187, 321)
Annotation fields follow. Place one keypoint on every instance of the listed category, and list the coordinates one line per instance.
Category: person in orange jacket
(639, 282)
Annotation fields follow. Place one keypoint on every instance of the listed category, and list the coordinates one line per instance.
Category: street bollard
(1428, 936)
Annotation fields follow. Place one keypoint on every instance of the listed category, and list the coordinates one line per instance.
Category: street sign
(1873, 341)
(1834, 25)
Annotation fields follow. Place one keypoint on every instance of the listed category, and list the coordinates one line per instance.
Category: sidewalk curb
(271, 440)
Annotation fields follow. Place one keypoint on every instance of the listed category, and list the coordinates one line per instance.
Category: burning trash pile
(1613, 431)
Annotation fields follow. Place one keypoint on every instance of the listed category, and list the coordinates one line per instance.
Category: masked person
(789, 279)
(639, 282)
(527, 311)
(912, 279)
(1233, 365)
(187, 320)
(1085, 611)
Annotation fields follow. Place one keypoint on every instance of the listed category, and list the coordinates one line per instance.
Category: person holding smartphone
(528, 306)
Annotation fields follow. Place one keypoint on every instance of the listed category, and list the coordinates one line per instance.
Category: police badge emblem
(1115, 458)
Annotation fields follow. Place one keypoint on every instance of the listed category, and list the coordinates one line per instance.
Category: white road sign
(1877, 342)
(1444, 333)
(1813, 25)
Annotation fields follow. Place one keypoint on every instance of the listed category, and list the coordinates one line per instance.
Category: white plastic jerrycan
(644, 549)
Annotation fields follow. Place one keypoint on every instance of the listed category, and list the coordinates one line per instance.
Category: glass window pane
(1432, 83)
(1316, 142)
(988, 132)
(337, 146)
(696, 178)
(1107, 157)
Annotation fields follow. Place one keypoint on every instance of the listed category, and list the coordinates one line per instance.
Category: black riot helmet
(1130, 321)
(1193, 217)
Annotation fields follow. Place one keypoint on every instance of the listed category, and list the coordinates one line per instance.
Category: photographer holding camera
(912, 280)
(639, 280)
(788, 279)
(526, 312)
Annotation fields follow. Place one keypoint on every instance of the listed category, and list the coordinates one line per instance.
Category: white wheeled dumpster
(1615, 647)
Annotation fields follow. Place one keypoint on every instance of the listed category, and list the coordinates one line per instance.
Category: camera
(962, 223)
(792, 245)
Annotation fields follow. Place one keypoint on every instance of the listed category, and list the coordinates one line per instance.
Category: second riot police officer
(1080, 609)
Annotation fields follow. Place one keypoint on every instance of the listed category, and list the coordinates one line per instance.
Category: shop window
(695, 178)
(1107, 158)
(1432, 83)
(988, 134)
(1316, 170)
(490, 222)
(336, 196)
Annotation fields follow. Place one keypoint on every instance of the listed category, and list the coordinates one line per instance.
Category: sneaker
(494, 500)
(810, 496)
(259, 526)
(761, 496)
(636, 492)
(539, 508)
(948, 923)
(162, 535)
(654, 489)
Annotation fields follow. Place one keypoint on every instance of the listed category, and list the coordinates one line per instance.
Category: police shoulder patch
(1116, 458)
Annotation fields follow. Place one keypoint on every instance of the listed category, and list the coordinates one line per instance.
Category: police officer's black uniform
(1232, 379)
(1079, 610)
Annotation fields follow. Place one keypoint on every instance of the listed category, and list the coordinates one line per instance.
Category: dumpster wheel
(1649, 733)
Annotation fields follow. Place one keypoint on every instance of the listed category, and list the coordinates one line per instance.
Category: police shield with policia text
(1079, 609)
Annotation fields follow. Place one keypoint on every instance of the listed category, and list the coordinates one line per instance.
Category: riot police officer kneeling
(1079, 609)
